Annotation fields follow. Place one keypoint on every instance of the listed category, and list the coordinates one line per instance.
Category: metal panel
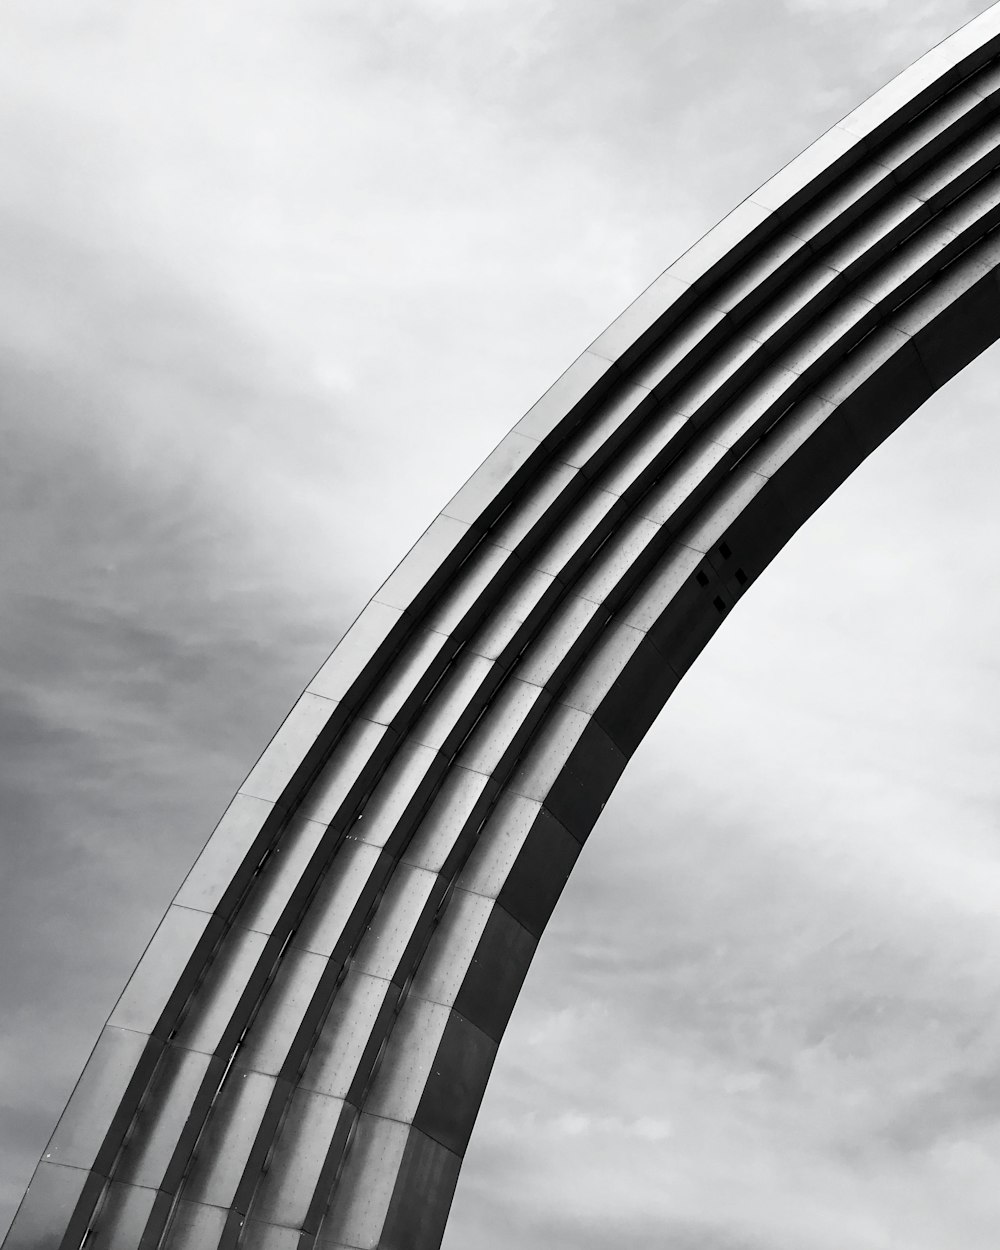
(225, 1146)
(556, 484)
(423, 657)
(529, 591)
(735, 235)
(523, 860)
(579, 760)
(195, 1226)
(361, 651)
(345, 887)
(903, 97)
(106, 1096)
(565, 634)
(496, 973)
(797, 426)
(680, 347)
(628, 335)
(483, 574)
(662, 431)
(685, 484)
(279, 876)
(506, 725)
(730, 500)
(851, 198)
(358, 1211)
(162, 1117)
(703, 394)
(404, 788)
(499, 844)
(408, 1059)
(122, 1218)
(427, 564)
(362, 751)
(494, 481)
(288, 997)
(820, 161)
(774, 263)
(426, 1179)
(671, 580)
(296, 1165)
(825, 342)
(271, 1237)
(579, 535)
(454, 1083)
(538, 774)
(235, 967)
(295, 750)
(684, 624)
(53, 1212)
(610, 658)
(618, 564)
(361, 1003)
(895, 384)
(389, 931)
(167, 972)
(607, 427)
(876, 235)
(452, 947)
(938, 128)
(462, 694)
(221, 871)
(462, 801)
(947, 344)
(813, 467)
(568, 398)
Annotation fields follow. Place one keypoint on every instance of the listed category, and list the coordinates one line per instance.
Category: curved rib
(300, 1055)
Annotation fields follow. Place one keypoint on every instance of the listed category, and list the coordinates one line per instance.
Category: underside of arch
(299, 1057)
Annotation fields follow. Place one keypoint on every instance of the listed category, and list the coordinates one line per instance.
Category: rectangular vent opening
(701, 578)
(741, 577)
(724, 551)
(719, 604)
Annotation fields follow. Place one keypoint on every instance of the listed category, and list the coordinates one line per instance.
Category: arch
(300, 1054)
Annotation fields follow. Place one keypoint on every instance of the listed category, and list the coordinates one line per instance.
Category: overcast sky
(278, 274)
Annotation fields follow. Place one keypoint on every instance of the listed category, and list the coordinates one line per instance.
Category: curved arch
(299, 1057)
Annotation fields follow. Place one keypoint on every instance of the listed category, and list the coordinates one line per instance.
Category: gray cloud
(153, 636)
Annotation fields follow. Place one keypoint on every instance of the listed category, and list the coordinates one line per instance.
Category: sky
(278, 275)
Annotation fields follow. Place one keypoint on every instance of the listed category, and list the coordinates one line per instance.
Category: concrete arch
(299, 1057)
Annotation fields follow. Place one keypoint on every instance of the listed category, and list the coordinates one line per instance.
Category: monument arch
(299, 1057)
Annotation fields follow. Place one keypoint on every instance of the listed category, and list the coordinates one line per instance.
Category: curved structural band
(299, 1057)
